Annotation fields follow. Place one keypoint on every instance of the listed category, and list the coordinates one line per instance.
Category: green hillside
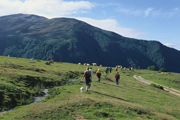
(71, 40)
(21, 79)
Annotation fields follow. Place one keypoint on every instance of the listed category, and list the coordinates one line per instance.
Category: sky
(157, 20)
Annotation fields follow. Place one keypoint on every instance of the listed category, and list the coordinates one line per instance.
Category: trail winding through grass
(170, 90)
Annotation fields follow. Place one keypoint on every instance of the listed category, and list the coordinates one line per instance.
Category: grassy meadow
(171, 80)
(21, 79)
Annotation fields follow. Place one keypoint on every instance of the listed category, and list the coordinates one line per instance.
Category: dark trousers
(99, 78)
(117, 80)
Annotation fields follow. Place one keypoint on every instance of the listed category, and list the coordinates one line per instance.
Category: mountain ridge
(71, 40)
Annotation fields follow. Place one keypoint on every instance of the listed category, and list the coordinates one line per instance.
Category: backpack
(117, 76)
(87, 74)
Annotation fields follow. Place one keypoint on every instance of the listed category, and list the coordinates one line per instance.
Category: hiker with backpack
(98, 74)
(87, 75)
(117, 77)
(110, 69)
(106, 70)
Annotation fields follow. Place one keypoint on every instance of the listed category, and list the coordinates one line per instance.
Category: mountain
(71, 40)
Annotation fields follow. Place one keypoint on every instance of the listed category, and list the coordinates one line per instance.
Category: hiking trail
(170, 90)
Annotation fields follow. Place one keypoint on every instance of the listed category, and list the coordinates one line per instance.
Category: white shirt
(91, 73)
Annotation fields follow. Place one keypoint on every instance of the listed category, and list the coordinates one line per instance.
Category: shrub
(153, 68)
(101, 113)
(47, 63)
(162, 70)
(157, 86)
(71, 75)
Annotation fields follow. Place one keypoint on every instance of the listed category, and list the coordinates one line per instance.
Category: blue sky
(142, 19)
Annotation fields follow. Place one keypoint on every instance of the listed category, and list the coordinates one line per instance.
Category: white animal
(88, 64)
(94, 64)
(79, 63)
(81, 89)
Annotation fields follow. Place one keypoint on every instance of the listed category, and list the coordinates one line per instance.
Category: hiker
(91, 72)
(110, 69)
(138, 67)
(124, 68)
(117, 77)
(98, 74)
(121, 68)
(132, 69)
(116, 68)
(87, 76)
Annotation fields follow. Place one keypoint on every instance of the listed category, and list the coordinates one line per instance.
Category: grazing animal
(51, 61)
(119, 66)
(81, 89)
(88, 64)
(94, 64)
(79, 63)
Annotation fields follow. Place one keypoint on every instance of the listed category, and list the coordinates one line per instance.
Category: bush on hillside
(47, 63)
(157, 86)
(153, 68)
(162, 70)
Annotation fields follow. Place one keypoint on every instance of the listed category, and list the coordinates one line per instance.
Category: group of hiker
(88, 76)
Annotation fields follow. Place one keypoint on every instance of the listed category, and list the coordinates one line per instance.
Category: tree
(162, 70)
(153, 67)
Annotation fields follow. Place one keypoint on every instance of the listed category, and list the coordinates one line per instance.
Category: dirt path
(170, 90)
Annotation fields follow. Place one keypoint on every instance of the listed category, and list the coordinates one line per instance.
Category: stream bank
(36, 99)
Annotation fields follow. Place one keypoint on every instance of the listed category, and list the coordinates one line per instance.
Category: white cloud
(112, 25)
(169, 44)
(131, 12)
(173, 12)
(173, 45)
(148, 11)
(176, 9)
(139, 12)
(48, 8)
(59, 8)
(151, 12)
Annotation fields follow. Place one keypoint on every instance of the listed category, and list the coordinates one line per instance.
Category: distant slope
(70, 40)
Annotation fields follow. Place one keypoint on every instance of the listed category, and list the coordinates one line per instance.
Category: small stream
(73, 80)
(36, 99)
